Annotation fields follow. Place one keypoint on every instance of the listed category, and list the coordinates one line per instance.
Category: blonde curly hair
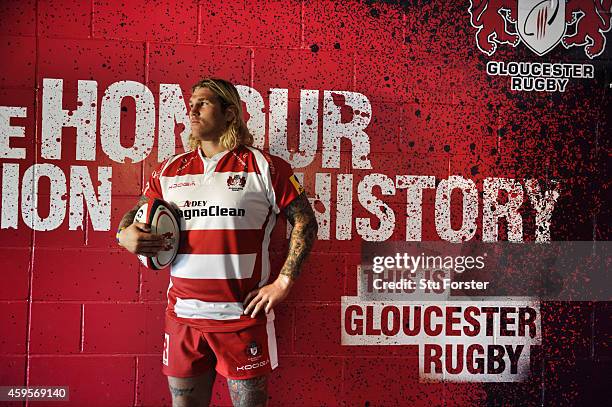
(237, 132)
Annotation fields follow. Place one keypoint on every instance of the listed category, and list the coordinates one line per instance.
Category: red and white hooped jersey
(228, 206)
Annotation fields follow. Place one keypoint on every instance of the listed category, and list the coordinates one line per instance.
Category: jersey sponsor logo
(236, 182)
(296, 184)
(251, 366)
(166, 352)
(212, 211)
(198, 209)
(191, 204)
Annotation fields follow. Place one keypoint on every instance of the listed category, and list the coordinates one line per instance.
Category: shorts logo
(236, 183)
(541, 24)
(252, 349)
(166, 349)
(252, 366)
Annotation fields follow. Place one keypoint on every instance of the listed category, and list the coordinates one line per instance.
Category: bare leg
(249, 392)
(192, 391)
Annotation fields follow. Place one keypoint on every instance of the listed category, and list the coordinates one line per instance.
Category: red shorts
(244, 354)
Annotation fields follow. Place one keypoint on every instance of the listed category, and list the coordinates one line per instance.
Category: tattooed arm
(129, 216)
(302, 218)
(137, 237)
(300, 215)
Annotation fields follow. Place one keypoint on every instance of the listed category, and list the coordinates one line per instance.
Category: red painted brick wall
(76, 310)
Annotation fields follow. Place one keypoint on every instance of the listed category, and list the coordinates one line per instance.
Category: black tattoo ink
(299, 213)
(128, 218)
(249, 392)
(180, 392)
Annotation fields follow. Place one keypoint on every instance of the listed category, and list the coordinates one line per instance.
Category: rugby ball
(158, 214)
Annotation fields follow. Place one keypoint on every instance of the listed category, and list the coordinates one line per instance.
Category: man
(220, 306)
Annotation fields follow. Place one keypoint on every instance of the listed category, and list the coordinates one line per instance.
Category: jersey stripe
(183, 164)
(214, 266)
(210, 290)
(265, 260)
(196, 309)
(240, 241)
(237, 161)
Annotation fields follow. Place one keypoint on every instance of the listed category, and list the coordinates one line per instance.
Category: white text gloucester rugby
(228, 205)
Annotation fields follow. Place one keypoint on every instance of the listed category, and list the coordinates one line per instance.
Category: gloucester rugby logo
(253, 351)
(541, 24)
(236, 182)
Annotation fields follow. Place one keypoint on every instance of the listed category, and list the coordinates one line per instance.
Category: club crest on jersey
(236, 182)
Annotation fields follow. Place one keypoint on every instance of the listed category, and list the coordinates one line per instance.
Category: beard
(201, 133)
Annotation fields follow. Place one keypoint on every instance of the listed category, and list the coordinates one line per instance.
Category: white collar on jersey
(215, 157)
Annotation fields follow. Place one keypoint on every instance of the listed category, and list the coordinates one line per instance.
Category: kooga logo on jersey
(194, 209)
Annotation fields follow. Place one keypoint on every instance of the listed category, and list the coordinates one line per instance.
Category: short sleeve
(285, 184)
(152, 189)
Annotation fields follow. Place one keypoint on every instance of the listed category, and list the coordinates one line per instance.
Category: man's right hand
(138, 239)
